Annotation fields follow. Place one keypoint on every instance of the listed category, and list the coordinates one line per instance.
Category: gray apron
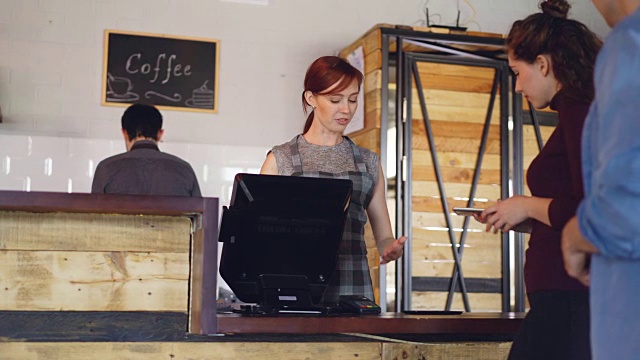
(351, 276)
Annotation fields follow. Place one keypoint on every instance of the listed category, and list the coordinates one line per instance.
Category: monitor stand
(284, 295)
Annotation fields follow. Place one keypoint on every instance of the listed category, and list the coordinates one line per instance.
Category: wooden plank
(86, 281)
(94, 232)
(464, 47)
(451, 129)
(455, 159)
(373, 100)
(93, 325)
(465, 99)
(468, 46)
(373, 81)
(372, 61)
(446, 351)
(428, 68)
(36, 201)
(473, 250)
(444, 268)
(457, 144)
(373, 40)
(437, 221)
(473, 285)
(371, 121)
(430, 300)
(448, 31)
(447, 140)
(456, 83)
(473, 257)
(455, 175)
(368, 139)
(445, 105)
(454, 113)
(189, 350)
(430, 188)
(439, 112)
(442, 237)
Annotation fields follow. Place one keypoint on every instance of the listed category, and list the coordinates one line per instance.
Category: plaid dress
(351, 276)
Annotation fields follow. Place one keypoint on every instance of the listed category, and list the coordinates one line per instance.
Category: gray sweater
(332, 159)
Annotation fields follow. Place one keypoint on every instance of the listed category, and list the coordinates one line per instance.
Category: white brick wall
(51, 54)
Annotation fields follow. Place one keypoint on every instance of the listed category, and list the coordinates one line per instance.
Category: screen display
(284, 225)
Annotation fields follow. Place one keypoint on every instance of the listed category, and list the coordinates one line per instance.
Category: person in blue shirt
(601, 244)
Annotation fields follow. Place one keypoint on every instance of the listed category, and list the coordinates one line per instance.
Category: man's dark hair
(142, 120)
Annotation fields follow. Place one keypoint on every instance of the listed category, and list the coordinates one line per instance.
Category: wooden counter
(113, 277)
(95, 252)
(387, 323)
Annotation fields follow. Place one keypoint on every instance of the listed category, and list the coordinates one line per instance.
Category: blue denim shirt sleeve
(609, 216)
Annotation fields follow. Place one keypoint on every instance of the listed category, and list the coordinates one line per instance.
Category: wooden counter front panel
(99, 262)
(109, 253)
(191, 350)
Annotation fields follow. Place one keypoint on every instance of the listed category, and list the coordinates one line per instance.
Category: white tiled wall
(64, 164)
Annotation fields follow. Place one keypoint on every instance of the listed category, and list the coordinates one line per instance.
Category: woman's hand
(394, 250)
(506, 214)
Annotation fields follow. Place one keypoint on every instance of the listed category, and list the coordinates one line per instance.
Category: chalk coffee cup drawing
(120, 89)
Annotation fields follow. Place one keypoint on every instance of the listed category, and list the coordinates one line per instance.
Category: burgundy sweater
(556, 173)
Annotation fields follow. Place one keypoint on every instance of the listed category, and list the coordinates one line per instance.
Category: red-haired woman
(331, 88)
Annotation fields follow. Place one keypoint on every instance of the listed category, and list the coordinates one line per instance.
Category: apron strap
(357, 156)
(295, 155)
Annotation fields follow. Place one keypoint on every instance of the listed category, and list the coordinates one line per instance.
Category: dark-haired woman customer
(553, 58)
(331, 88)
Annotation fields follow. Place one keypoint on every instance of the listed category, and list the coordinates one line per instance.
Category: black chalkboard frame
(117, 87)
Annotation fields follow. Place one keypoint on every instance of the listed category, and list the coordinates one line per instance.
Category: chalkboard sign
(177, 73)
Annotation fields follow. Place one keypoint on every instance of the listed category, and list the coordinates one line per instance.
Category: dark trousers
(556, 327)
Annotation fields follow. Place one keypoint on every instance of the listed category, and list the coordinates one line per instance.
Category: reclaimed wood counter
(386, 323)
(151, 335)
(131, 277)
(110, 253)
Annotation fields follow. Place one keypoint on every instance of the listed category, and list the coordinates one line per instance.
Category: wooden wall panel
(456, 175)
(431, 300)
(94, 262)
(430, 188)
(457, 99)
(93, 232)
(434, 204)
(93, 281)
(447, 351)
(372, 61)
(465, 106)
(190, 350)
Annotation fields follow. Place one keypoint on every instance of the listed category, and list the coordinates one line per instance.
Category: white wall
(51, 54)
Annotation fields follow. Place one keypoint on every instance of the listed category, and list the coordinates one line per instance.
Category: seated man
(144, 169)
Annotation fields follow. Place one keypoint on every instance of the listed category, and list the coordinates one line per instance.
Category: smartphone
(465, 211)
